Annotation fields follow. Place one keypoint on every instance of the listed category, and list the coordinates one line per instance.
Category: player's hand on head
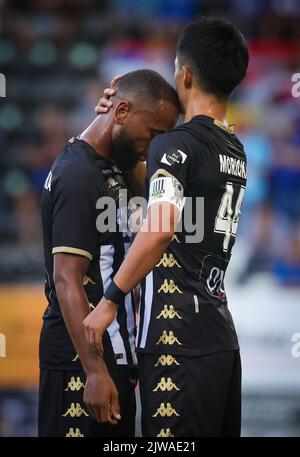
(101, 397)
(105, 103)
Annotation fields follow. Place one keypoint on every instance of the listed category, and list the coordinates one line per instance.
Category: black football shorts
(190, 396)
(62, 411)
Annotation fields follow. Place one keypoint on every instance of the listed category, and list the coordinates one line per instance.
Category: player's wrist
(96, 366)
(114, 295)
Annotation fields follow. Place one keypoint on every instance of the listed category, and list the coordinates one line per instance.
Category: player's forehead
(163, 115)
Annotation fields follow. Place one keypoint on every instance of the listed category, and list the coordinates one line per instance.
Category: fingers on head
(108, 92)
(115, 80)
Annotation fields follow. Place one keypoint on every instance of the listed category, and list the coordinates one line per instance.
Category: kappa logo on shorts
(165, 385)
(168, 260)
(166, 410)
(168, 339)
(74, 384)
(168, 312)
(168, 360)
(74, 433)
(75, 411)
(165, 433)
(169, 287)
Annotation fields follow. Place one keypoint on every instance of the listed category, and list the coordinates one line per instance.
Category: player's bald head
(145, 88)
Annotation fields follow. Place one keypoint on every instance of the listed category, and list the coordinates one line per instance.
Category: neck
(97, 135)
(202, 103)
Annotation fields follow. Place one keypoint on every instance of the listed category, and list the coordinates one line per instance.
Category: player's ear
(187, 77)
(122, 111)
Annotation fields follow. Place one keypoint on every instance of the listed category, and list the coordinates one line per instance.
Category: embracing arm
(167, 171)
(143, 255)
(148, 246)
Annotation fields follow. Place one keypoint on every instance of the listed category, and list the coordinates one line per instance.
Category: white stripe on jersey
(106, 269)
(147, 307)
(130, 316)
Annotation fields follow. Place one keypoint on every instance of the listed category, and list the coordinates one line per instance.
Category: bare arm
(141, 258)
(101, 396)
(69, 271)
(148, 246)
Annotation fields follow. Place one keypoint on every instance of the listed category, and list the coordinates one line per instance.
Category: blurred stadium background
(57, 56)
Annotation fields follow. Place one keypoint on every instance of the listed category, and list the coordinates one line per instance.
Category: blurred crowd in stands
(58, 55)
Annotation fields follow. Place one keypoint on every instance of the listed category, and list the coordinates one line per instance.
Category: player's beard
(123, 153)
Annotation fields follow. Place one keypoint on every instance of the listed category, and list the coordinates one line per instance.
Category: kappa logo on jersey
(174, 157)
(166, 410)
(75, 411)
(168, 260)
(168, 338)
(75, 358)
(164, 385)
(168, 360)
(48, 181)
(175, 238)
(74, 384)
(74, 433)
(169, 287)
(87, 280)
(168, 313)
(215, 283)
(165, 433)
(112, 182)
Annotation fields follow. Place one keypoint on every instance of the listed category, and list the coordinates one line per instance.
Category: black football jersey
(184, 307)
(78, 178)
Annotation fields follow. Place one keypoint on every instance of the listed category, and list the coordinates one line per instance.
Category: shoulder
(177, 136)
(74, 170)
(173, 147)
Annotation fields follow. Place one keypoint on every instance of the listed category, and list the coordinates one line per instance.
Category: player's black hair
(148, 85)
(217, 53)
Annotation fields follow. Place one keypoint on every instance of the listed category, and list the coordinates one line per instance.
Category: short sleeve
(74, 211)
(167, 169)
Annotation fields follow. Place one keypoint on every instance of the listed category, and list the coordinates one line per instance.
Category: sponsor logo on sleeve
(174, 157)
